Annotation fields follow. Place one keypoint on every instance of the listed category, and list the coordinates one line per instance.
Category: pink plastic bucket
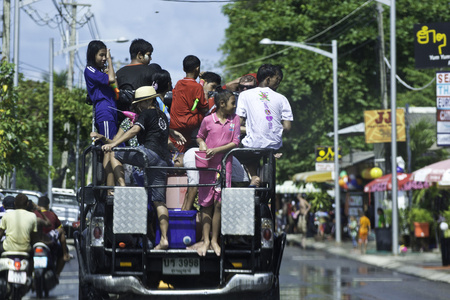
(201, 161)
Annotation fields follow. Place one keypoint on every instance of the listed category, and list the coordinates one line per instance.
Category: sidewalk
(426, 265)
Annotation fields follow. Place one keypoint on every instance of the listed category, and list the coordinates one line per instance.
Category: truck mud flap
(278, 248)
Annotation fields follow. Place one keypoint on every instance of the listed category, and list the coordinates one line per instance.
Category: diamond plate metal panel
(238, 211)
(130, 210)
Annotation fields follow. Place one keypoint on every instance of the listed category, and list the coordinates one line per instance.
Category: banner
(378, 126)
(431, 49)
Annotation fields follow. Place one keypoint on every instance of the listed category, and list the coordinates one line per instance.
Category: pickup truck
(115, 252)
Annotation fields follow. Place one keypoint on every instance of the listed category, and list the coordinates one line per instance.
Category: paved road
(68, 282)
(315, 274)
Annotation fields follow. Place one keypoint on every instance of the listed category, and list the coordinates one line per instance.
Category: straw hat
(145, 93)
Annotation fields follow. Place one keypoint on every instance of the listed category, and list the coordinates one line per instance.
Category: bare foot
(195, 246)
(255, 181)
(203, 249)
(163, 245)
(66, 256)
(215, 246)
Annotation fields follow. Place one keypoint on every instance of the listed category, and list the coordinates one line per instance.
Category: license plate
(17, 277)
(40, 262)
(181, 266)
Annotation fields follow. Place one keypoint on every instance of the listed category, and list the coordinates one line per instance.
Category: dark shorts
(107, 128)
(155, 176)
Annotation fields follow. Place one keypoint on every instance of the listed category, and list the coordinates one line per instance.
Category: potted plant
(421, 219)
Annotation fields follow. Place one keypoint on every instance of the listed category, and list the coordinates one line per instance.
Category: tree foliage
(24, 129)
(308, 82)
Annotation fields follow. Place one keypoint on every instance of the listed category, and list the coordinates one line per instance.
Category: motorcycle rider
(18, 225)
(53, 233)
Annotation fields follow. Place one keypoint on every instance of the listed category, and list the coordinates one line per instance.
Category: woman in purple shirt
(100, 79)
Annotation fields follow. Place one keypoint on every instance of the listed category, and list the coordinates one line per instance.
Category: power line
(340, 21)
(258, 59)
(404, 83)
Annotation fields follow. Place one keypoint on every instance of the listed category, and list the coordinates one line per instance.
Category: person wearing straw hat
(152, 131)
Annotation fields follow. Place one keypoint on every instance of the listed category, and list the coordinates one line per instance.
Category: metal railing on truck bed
(260, 199)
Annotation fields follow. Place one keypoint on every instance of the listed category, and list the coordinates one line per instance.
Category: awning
(314, 176)
(289, 187)
(404, 183)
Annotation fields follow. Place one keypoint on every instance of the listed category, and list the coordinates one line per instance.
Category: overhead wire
(339, 22)
(404, 83)
(305, 41)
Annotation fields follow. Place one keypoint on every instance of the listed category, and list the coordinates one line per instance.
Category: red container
(201, 161)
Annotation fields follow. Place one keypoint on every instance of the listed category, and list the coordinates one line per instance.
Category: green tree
(308, 78)
(24, 129)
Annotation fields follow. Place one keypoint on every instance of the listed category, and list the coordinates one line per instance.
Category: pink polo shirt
(216, 134)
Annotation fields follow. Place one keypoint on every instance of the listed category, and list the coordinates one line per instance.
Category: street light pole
(393, 49)
(334, 57)
(394, 132)
(50, 125)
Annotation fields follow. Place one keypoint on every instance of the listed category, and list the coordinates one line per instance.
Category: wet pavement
(427, 265)
(320, 274)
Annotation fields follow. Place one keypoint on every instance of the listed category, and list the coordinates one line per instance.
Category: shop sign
(326, 154)
(378, 126)
(443, 108)
(431, 48)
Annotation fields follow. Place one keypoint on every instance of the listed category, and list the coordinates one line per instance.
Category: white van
(65, 206)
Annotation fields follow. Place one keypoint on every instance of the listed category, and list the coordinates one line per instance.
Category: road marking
(75, 273)
(68, 281)
(57, 298)
(377, 279)
(303, 258)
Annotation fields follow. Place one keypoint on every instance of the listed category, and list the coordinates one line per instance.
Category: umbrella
(314, 176)
(384, 183)
(437, 172)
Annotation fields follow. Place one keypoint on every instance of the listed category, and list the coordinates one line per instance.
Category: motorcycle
(44, 270)
(15, 281)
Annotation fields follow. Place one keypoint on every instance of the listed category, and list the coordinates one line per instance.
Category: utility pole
(72, 40)
(380, 148)
(6, 37)
(381, 55)
(72, 43)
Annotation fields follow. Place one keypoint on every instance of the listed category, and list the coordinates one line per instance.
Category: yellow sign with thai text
(378, 126)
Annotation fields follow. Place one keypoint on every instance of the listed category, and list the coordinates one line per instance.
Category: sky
(175, 29)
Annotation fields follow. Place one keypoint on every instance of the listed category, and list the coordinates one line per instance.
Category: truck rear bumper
(258, 282)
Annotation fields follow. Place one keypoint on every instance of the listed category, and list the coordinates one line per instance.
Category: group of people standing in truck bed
(203, 116)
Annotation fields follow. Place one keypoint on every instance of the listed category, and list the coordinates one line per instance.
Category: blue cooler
(181, 233)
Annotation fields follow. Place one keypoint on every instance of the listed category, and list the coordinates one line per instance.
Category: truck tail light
(17, 264)
(266, 233)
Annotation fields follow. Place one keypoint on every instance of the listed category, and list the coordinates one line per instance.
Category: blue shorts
(155, 176)
(107, 128)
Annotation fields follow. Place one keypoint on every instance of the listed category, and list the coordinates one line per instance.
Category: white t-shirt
(18, 224)
(238, 173)
(263, 109)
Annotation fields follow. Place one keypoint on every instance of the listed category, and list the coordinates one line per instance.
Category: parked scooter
(14, 279)
(44, 270)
